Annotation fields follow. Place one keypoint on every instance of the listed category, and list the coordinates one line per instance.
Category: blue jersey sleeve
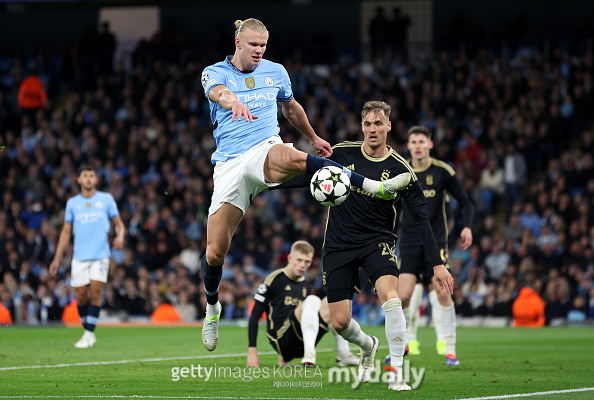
(112, 208)
(210, 79)
(69, 214)
(285, 92)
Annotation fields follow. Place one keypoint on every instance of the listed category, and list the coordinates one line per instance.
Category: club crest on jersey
(88, 205)
(304, 292)
(268, 81)
(250, 83)
(429, 180)
(99, 204)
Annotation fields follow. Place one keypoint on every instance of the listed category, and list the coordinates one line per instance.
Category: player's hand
(118, 243)
(53, 269)
(240, 110)
(323, 148)
(252, 360)
(466, 236)
(444, 278)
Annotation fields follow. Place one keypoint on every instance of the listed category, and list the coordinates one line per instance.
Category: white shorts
(238, 180)
(83, 272)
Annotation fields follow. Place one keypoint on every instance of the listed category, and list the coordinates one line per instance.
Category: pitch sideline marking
(83, 364)
(511, 396)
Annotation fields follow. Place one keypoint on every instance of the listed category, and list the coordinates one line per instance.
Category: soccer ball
(330, 186)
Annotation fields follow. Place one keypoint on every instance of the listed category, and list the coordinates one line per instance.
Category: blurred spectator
(529, 309)
(32, 94)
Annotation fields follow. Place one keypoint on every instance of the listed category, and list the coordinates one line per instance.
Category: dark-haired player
(437, 179)
(88, 216)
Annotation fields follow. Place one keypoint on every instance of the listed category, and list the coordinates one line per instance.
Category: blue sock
(211, 276)
(92, 317)
(314, 163)
(83, 311)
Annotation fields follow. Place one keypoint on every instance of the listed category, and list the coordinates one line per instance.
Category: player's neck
(377, 152)
(420, 163)
(87, 193)
(289, 274)
(236, 61)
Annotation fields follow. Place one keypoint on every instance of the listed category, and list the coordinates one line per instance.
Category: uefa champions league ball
(330, 186)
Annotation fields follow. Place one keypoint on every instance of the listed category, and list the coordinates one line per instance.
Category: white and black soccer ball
(330, 186)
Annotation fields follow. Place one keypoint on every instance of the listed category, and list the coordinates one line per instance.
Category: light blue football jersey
(259, 91)
(90, 218)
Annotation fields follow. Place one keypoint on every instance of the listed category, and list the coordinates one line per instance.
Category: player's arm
(261, 300)
(417, 205)
(226, 98)
(296, 115)
(118, 242)
(62, 243)
(455, 188)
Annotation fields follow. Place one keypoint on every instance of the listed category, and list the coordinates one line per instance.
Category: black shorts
(415, 260)
(341, 268)
(287, 340)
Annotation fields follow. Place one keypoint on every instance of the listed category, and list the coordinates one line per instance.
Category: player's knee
(214, 256)
(340, 323)
(405, 297)
(312, 303)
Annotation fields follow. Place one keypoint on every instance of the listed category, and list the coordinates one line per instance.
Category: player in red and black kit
(360, 235)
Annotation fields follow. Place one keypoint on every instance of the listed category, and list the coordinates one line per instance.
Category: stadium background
(500, 84)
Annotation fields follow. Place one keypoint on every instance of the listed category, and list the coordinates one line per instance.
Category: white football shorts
(238, 180)
(83, 272)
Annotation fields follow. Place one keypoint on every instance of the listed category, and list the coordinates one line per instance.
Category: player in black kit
(296, 320)
(437, 179)
(360, 235)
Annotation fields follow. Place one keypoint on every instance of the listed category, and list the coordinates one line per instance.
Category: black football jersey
(280, 295)
(436, 181)
(363, 216)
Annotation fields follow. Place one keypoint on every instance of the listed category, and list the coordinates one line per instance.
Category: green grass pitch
(128, 362)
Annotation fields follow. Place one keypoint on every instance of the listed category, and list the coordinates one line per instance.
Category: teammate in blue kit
(243, 92)
(87, 216)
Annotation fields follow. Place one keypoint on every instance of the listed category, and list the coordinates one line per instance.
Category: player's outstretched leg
(440, 344)
(395, 327)
(415, 303)
(210, 330)
(384, 190)
(310, 325)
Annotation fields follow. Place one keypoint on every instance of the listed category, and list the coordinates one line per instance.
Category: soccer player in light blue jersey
(243, 92)
(88, 216)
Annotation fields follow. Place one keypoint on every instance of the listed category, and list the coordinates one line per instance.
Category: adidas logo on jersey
(351, 167)
(288, 287)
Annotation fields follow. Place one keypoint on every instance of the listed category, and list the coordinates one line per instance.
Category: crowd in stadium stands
(519, 134)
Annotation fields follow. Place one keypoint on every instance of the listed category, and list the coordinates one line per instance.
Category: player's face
(419, 146)
(87, 180)
(375, 129)
(250, 47)
(299, 262)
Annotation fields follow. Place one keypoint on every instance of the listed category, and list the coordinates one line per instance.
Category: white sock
(355, 335)
(310, 323)
(342, 346)
(395, 331)
(415, 303)
(213, 309)
(436, 315)
(448, 324)
(370, 185)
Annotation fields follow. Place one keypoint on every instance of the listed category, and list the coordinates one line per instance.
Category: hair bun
(238, 23)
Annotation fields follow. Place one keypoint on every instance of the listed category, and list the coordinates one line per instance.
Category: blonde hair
(250, 23)
(376, 106)
(303, 247)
